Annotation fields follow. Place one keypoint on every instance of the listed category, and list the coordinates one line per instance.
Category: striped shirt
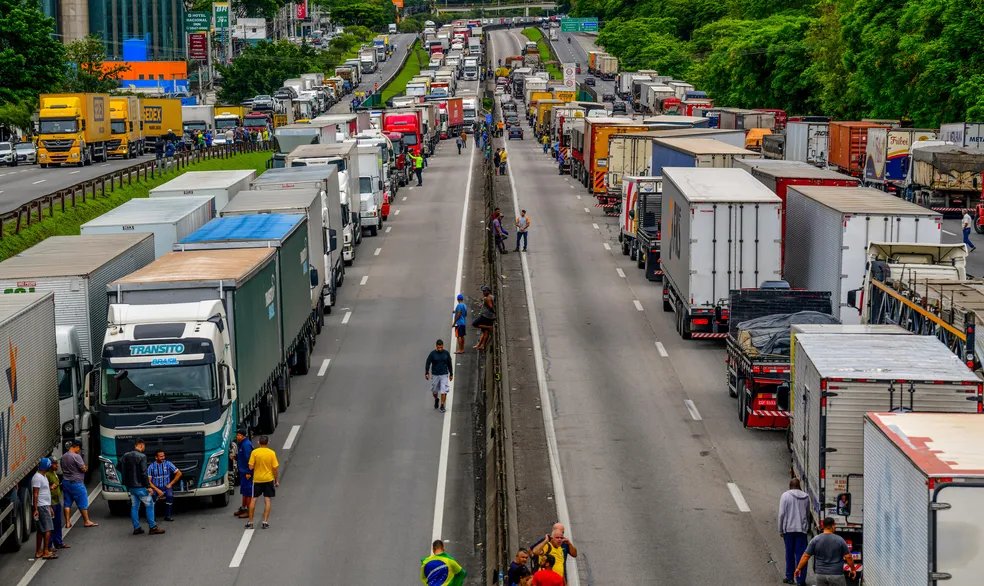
(161, 472)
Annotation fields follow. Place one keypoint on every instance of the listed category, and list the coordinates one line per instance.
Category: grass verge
(70, 222)
(417, 61)
(547, 56)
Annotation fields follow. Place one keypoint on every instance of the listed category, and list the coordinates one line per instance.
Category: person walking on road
(794, 522)
(73, 485)
(137, 483)
(545, 141)
(968, 225)
(163, 476)
(265, 469)
(459, 143)
(522, 229)
(439, 370)
(486, 318)
(55, 484)
(418, 167)
(245, 476)
(829, 552)
(460, 323)
(556, 546)
(440, 569)
(41, 508)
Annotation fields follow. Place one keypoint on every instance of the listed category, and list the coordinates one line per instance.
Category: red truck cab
(406, 123)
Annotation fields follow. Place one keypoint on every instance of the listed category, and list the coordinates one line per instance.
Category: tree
(87, 73)
(373, 14)
(262, 68)
(31, 60)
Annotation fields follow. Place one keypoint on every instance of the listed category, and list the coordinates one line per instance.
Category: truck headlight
(212, 467)
(109, 471)
(68, 428)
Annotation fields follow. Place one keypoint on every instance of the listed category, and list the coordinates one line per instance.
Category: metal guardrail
(69, 197)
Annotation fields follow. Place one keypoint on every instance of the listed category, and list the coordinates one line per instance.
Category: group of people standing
(545, 562)
(55, 488)
(523, 223)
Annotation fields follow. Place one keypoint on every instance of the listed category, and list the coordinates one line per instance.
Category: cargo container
(161, 116)
(847, 144)
(965, 134)
(773, 146)
(721, 230)
(126, 127)
(168, 219)
(833, 227)
(886, 161)
(73, 129)
(694, 152)
(946, 178)
(197, 118)
(737, 118)
(30, 408)
(680, 88)
(807, 142)
(639, 223)
(607, 66)
(839, 378)
(923, 485)
(597, 131)
(221, 185)
(652, 95)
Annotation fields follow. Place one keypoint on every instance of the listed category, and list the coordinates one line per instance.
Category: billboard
(198, 46)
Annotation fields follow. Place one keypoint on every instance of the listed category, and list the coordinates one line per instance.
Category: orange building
(149, 70)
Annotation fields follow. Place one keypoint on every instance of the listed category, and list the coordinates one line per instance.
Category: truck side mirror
(631, 214)
(83, 123)
(314, 277)
(852, 298)
(91, 387)
(844, 504)
(332, 239)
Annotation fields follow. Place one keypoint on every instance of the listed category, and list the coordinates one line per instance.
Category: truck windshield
(409, 139)
(117, 126)
(57, 126)
(223, 123)
(255, 123)
(65, 390)
(157, 383)
(365, 185)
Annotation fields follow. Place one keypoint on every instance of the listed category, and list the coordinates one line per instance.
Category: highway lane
(648, 475)
(388, 69)
(953, 234)
(357, 502)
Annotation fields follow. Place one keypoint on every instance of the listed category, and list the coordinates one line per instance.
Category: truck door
(957, 535)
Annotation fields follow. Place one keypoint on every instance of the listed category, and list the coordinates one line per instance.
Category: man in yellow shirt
(265, 468)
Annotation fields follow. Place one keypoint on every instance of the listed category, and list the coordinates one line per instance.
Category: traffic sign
(198, 21)
(569, 75)
(578, 25)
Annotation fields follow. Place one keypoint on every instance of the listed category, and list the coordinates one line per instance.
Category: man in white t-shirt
(968, 224)
(43, 514)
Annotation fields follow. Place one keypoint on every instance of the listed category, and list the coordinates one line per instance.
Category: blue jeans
(795, 546)
(966, 240)
(59, 515)
(137, 496)
(521, 236)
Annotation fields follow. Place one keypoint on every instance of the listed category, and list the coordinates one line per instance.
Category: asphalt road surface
(663, 484)
(364, 486)
(384, 72)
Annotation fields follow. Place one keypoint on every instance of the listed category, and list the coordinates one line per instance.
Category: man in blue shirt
(439, 370)
(163, 476)
(245, 477)
(460, 316)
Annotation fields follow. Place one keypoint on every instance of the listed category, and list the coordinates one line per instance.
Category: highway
(663, 485)
(389, 68)
(576, 51)
(365, 487)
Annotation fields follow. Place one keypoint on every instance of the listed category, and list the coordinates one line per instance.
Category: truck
(554, 34)
(323, 224)
(847, 144)
(607, 66)
(287, 138)
(597, 132)
(946, 178)
(963, 134)
(452, 117)
(807, 142)
(833, 227)
(227, 118)
(371, 191)
(475, 46)
(653, 95)
(922, 481)
(741, 119)
(757, 347)
(391, 27)
(694, 152)
(160, 117)
(469, 68)
(126, 127)
(723, 232)
(680, 88)
(639, 223)
(73, 129)
(886, 161)
(367, 60)
(30, 408)
(221, 185)
(197, 118)
(839, 378)
(169, 219)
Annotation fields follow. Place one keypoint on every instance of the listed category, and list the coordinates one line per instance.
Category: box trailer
(886, 161)
(737, 118)
(847, 144)
(833, 227)
(807, 142)
(946, 178)
(694, 152)
(222, 185)
(923, 486)
(168, 219)
(839, 378)
(721, 230)
(639, 223)
(964, 134)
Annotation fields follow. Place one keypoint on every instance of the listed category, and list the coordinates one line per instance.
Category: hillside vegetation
(912, 59)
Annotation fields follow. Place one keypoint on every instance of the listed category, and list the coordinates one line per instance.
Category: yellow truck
(543, 108)
(126, 127)
(227, 117)
(564, 95)
(160, 117)
(73, 129)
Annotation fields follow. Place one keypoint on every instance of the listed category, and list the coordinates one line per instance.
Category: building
(160, 23)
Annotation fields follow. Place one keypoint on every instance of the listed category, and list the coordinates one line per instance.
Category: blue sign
(156, 349)
(168, 361)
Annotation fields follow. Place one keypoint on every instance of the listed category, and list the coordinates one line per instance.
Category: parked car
(7, 154)
(607, 97)
(589, 81)
(263, 102)
(26, 152)
(516, 132)
(619, 108)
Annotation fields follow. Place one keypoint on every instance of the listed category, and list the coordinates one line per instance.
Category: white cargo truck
(807, 142)
(169, 219)
(28, 407)
(370, 188)
(923, 489)
(721, 230)
(965, 134)
(830, 229)
(839, 378)
(222, 185)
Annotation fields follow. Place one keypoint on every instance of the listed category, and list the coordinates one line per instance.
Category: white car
(500, 90)
(26, 153)
(7, 154)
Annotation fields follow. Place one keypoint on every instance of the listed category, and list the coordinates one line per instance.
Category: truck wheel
(283, 393)
(268, 415)
(219, 501)
(302, 358)
(684, 327)
(119, 508)
(319, 319)
(625, 247)
(629, 250)
(640, 259)
(22, 528)
(667, 306)
(373, 231)
(347, 263)
(742, 411)
(979, 228)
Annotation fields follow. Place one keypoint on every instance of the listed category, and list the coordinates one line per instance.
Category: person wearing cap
(459, 324)
(486, 317)
(73, 485)
(245, 475)
(43, 515)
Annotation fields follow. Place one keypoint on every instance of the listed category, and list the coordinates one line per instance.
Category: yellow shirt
(262, 462)
(558, 554)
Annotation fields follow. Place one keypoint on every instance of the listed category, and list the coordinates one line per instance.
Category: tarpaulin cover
(769, 335)
(949, 158)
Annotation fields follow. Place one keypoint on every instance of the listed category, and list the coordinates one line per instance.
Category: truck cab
(371, 190)
(407, 123)
(73, 129)
(76, 419)
(126, 127)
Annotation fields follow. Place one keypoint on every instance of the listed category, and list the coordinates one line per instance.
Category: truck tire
(119, 508)
(22, 527)
(373, 231)
(302, 358)
(219, 501)
(283, 394)
(626, 249)
(629, 250)
(742, 411)
(667, 306)
(978, 228)
(268, 415)
(319, 320)
(641, 258)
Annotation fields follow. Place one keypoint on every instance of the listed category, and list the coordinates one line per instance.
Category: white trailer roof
(702, 146)
(161, 210)
(271, 199)
(69, 256)
(861, 200)
(11, 305)
(700, 185)
(939, 444)
(882, 329)
(888, 358)
(206, 180)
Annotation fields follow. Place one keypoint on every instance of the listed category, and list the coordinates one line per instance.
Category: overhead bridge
(492, 8)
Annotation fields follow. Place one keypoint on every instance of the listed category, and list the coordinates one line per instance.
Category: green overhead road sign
(578, 25)
(196, 22)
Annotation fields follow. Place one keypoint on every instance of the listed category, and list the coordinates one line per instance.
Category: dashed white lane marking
(237, 558)
(606, 245)
(396, 213)
(291, 436)
(587, 211)
(620, 272)
(347, 317)
(948, 232)
(638, 305)
(694, 413)
(378, 250)
(404, 198)
(579, 197)
(662, 350)
(39, 181)
(324, 367)
(364, 279)
(73, 172)
(739, 498)
(388, 228)
(595, 226)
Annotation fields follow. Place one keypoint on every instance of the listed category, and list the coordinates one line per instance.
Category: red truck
(408, 123)
(452, 113)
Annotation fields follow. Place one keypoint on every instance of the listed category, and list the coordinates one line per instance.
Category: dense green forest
(913, 59)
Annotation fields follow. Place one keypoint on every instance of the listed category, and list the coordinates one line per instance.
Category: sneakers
(443, 410)
(249, 525)
(265, 525)
(156, 531)
(138, 531)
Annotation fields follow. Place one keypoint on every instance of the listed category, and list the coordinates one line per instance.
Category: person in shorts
(265, 468)
(245, 476)
(43, 514)
(440, 372)
(460, 323)
(73, 485)
(486, 317)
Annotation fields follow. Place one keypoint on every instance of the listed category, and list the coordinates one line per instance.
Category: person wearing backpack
(555, 547)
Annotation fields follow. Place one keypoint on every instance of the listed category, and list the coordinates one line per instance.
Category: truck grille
(58, 146)
(114, 144)
(185, 451)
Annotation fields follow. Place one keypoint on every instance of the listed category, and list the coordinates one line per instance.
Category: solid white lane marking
(36, 566)
(291, 436)
(378, 250)
(606, 245)
(440, 492)
(620, 272)
(404, 198)
(739, 498)
(388, 228)
(104, 165)
(72, 172)
(694, 413)
(364, 279)
(396, 213)
(39, 181)
(948, 232)
(346, 317)
(587, 211)
(572, 187)
(595, 226)
(237, 558)
(579, 197)
(553, 452)
(324, 367)
(662, 350)
(638, 305)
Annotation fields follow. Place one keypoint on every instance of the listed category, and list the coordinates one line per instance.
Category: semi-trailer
(161, 117)
(694, 152)
(221, 185)
(639, 223)
(169, 219)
